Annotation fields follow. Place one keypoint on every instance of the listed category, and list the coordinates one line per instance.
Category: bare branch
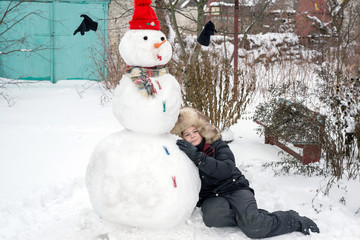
(8, 9)
(17, 22)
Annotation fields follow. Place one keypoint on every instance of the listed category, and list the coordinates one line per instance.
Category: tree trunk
(161, 13)
(176, 27)
(201, 16)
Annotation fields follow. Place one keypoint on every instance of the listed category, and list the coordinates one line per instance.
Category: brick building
(309, 15)
(299, 16)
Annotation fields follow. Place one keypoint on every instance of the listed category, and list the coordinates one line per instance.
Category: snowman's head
(145, 48)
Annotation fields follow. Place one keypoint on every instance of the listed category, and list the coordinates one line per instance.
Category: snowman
(138, 176)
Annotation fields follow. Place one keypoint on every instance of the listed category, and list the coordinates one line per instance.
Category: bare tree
(11, 15)
(162, 14)
(339, 32)
(345, 19)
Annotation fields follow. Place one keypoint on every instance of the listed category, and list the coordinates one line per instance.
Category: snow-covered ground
(46, 139)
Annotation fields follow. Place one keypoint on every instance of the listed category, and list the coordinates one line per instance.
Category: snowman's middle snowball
(155, 115)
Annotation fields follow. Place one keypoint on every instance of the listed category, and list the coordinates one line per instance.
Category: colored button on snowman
(138, 176)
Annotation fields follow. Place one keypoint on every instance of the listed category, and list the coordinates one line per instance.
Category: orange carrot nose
(157, 45)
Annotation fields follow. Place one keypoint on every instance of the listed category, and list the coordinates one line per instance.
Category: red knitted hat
(144, 16)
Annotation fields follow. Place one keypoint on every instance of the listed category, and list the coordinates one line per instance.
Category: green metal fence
(37, 41)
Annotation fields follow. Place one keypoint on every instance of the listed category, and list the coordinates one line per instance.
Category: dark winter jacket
(218, 173)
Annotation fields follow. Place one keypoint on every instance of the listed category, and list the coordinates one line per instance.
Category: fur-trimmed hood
(191, 117)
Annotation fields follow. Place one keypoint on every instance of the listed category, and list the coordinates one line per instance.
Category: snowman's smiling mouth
(159, 57)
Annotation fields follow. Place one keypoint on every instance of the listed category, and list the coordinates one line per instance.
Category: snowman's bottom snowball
(142, 180)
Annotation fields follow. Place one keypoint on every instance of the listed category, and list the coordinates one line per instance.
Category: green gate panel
(74, 55)
(56, 53)
(24, 36)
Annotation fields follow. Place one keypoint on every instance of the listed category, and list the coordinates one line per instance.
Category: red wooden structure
(311, 151)
(297, 121)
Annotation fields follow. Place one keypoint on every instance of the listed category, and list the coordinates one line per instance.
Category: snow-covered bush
(289, 120)
(341, 139)
(5, 89)
(4, 95)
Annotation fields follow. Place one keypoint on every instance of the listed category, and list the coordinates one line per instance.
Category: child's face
(192, 135)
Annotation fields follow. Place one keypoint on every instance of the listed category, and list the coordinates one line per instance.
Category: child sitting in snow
(226, 198)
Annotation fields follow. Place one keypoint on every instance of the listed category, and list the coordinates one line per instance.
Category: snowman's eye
(145, 38)
(162, 38)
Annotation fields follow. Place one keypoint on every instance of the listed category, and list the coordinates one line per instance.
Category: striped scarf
(141, 77)
(208, 150)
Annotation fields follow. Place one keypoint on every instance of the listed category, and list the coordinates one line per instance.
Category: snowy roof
(284, 11)
(215, 4)
(230, 3)
(185, 3)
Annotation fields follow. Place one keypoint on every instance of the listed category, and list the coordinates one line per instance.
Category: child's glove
(191, 151)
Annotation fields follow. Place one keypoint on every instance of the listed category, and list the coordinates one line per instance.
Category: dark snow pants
(240, 209)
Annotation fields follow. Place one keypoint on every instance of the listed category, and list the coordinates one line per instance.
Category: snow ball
(142, 180)
(140, 113)
(227, 135)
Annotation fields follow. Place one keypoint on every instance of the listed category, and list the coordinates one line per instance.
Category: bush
(208, 86)
(291, 120)
(341, 139)
(109, 66)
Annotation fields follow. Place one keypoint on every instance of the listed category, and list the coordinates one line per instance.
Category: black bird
(209, 29)
(86, 25)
